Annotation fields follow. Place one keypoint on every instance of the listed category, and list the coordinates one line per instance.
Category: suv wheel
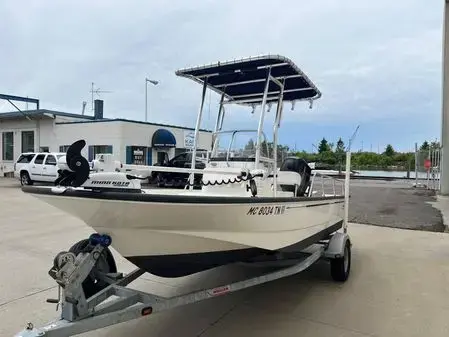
(25, 179)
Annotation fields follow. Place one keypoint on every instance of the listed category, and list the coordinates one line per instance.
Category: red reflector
(220, 291)
(146, 311)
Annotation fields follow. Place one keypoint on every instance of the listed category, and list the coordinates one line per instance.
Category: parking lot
(398, 284)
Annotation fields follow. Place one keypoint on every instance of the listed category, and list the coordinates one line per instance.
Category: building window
(44, 149)
(63, 148)
(96, 149)
(8, 146)
(138, 155)
(27, 141)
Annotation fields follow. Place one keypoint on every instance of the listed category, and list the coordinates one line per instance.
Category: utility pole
(444, 178)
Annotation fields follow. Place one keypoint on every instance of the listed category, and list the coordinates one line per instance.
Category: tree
(340, 146)
(324, 146)
(424, 146)
(435, 145)
(250, 145)
(389, 151)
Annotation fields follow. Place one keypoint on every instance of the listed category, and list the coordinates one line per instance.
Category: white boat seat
(288, 178)
(297, 174)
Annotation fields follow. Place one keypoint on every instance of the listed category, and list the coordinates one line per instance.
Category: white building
(131, 142)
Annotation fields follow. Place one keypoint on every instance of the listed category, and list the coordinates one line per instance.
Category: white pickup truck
(37, 167)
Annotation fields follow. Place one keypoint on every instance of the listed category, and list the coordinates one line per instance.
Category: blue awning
(243, 81)
(163, 138)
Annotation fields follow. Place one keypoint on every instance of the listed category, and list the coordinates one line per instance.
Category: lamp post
(146, 95)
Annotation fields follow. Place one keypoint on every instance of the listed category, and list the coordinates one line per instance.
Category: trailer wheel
(341, 267)
(105, 264)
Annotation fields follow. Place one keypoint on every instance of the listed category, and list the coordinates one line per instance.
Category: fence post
(416, 165)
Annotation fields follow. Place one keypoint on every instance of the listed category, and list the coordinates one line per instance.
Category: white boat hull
(174, 227)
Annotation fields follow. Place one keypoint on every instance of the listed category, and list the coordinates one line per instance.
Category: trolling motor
(75, 169)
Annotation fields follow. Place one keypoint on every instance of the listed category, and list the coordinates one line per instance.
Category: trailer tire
(105, 263)
(341, 266)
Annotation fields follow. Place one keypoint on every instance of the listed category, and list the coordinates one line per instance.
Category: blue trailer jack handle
(103, 240)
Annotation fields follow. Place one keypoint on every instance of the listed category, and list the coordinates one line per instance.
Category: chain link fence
(427, 168)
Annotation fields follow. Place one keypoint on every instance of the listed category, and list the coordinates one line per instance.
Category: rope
(235, 180)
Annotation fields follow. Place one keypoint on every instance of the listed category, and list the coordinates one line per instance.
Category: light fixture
(253, 106)
(310, 103)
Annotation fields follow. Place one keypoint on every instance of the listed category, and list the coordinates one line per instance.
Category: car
(177, 179)
(33, 167)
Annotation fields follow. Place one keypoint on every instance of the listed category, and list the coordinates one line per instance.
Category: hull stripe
(167, 198)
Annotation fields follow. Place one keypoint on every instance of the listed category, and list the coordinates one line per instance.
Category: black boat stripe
(168, 198)
(315, 205)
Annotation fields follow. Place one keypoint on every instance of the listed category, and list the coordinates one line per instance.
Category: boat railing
(325, 186)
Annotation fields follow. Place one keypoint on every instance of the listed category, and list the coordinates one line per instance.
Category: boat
(248, 204)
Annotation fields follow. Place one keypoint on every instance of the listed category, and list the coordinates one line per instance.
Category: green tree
(424, 146)
(389, 151)
(250, 145)
(324, 146)
(340, 146)
(327, 157)
(434, 145)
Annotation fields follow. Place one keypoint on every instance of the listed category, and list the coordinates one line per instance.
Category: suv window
(50, 160)
(39, 159)
(25, 158)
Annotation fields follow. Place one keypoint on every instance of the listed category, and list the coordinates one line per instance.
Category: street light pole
(146, 95)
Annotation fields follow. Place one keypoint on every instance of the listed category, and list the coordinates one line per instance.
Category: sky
(377, 63)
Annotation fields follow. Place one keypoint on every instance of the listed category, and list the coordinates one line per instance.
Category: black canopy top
(243, 81)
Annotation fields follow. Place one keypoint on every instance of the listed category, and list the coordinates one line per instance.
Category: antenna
(352, 138)
(96, 91)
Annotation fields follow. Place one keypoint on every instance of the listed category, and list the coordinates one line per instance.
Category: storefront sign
(189, 139)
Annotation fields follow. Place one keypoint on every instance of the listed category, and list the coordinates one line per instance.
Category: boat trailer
(80, 314)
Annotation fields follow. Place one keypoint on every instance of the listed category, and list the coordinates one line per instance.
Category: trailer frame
(80, 315)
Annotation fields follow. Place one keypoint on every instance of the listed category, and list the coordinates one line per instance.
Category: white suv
(39, 167)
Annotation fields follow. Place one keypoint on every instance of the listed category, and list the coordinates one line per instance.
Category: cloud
(373, 61)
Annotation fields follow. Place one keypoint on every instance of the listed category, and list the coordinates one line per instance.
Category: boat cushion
(297, 166)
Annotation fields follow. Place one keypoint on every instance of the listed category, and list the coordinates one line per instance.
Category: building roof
(106, 120)
(42, 113)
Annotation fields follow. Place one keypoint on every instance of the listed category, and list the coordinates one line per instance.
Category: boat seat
(294, 173)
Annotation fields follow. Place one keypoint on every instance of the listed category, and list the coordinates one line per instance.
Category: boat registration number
(266, 210)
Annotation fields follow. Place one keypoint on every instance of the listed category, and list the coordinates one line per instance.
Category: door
(36, 167)
(50, 169)
(162, 157)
